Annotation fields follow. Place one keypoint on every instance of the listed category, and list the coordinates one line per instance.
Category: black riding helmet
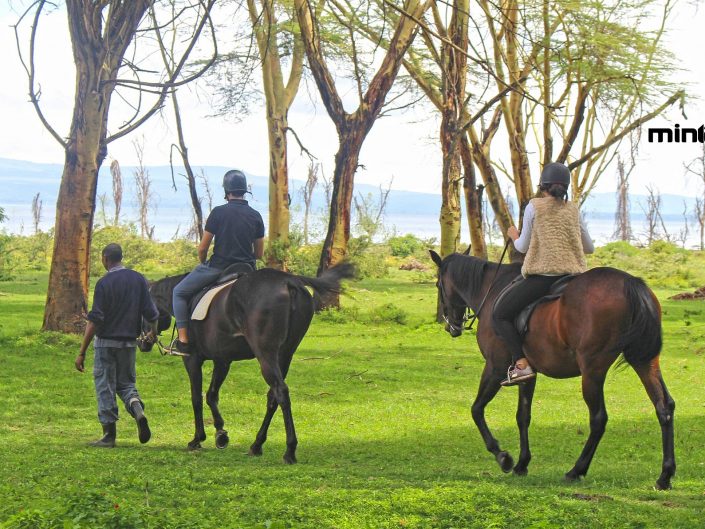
(235, 182)
(555, 173)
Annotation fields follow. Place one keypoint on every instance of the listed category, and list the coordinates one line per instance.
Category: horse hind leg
(275, 378)
(651, 378)
(593, 394)
(220, 372)
(256, 447)
(489, 386)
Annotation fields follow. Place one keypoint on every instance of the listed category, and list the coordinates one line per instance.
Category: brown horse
(601, 314)
(264, 315)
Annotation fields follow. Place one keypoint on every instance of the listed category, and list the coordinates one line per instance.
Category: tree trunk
(494, 193)
(346, 162)
(473, 201)
(67, 295)
(278, 191)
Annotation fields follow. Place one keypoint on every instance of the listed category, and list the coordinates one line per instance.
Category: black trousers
(525, 291)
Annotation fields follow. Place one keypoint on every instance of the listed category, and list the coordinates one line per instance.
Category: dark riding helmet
(235, 182)
(555, 173)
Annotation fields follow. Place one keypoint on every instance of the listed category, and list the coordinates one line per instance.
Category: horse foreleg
(489, 386)
(194, 365)
(650, 376)
(526, 395)
(220, 371)
(256, 448)
(593, 394)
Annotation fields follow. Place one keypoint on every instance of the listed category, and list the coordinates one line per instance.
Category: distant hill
(20, 181)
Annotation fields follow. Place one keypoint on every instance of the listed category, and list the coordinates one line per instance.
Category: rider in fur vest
(555, 241)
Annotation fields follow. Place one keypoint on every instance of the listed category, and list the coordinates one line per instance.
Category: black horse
(601, 314)
(264, 315)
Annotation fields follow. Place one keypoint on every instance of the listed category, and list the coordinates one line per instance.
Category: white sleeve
(522, 243)
(588, 246)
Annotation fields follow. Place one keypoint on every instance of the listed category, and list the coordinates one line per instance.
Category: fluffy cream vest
(555, 247)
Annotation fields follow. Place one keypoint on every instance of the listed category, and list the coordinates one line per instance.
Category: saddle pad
(201, 310)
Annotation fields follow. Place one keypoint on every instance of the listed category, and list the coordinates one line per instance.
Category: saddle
(199, 304)
(521, 322)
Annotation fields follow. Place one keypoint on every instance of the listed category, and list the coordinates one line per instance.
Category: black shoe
(178, 348)
(108, 439)
(143, 432)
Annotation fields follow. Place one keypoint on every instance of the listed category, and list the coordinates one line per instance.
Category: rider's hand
(79, 362)
(513, 233)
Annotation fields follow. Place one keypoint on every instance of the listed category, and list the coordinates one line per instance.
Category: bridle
(468, 314)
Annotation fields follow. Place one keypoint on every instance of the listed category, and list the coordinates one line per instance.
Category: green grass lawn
(382, 411)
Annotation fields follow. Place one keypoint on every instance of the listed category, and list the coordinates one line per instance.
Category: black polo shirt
(236, 226)
(120, 300)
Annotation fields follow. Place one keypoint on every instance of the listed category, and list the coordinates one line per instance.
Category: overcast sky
(403, 146)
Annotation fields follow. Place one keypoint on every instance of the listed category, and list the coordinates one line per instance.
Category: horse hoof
(663, 485)
(194, 445)
(255, 451)
(290, 459)
(221, 439)
(506, 463)
(520, 471)
(571, 477)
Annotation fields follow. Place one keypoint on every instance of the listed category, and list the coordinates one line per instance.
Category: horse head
(453, 306)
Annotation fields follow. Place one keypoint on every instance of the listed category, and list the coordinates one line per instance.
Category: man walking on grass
(120, 300)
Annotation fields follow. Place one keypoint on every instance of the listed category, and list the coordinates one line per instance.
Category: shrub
(406, 245)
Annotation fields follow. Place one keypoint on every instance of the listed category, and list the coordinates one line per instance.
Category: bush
(406, 245)
(146, 256)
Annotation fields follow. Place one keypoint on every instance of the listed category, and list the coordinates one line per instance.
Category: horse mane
(466, 272)
(162, 291)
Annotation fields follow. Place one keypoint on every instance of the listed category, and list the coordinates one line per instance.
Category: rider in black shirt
(238, 231)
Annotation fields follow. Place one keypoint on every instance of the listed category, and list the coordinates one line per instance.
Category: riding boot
(143, 431)
(108, 439)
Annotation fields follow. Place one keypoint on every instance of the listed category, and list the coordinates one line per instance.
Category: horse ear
(467, 252)
(436, 258)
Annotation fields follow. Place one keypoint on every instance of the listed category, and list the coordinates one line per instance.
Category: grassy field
(381, 402)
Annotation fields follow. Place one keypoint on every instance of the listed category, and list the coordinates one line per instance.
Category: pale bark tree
(101, 33)
(144, 195)
(307, 195)
(36, 212)
(622, 221)
(279, 95)
(352, 127)
(116, 174)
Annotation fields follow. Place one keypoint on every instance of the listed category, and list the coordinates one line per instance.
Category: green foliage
(23, 253)
(369, 259)
(151, 257)
(663, 265)
(406, 245)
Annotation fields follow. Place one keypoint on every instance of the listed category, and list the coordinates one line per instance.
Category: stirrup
(517, 376)
(173, 350)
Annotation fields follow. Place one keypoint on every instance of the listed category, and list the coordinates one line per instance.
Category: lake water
(170, 220)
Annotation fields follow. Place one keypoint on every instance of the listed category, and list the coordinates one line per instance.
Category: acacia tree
(272, 37)
(352, 127)
(101, 34)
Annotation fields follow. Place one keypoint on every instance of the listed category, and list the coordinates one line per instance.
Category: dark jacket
(120, 301)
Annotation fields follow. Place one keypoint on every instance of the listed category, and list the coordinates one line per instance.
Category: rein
(472, 318)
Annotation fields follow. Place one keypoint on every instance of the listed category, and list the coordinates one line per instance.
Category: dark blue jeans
(523, 293)
(200, 277)
(114, 374)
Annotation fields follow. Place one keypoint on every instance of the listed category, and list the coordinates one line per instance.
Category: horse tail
(329, 281)
(642, 341)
